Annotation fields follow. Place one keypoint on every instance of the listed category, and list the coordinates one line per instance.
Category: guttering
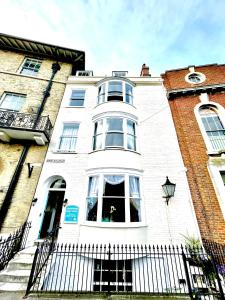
(210, 89)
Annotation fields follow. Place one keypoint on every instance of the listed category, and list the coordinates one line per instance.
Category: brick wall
(193, 148)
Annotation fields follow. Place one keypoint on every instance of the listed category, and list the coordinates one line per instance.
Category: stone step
(26, 253)
(20, 263)
(16, 276)
(12, 286)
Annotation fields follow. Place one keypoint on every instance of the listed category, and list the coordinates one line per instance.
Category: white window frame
(200, 75)
(71, 100)
(61, 136)
(104, 96)
(221, 113)
(31, 70)
(5, 94)
(124, 132)
(99, 197)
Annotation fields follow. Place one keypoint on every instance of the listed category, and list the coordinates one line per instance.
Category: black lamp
(168, 189)
(65, 202)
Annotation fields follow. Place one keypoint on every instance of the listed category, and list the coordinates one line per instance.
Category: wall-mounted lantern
(34, 201)
(65, 201)
(168, 189)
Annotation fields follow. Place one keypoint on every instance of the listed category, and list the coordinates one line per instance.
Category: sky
(121, 35)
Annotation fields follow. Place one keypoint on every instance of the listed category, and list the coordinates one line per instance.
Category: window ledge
(68, 106)
(114, 224)
(64, 152)
(117, 101)
(115, 148)
(215, 152)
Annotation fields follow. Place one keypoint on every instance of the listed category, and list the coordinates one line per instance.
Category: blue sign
(71, 215)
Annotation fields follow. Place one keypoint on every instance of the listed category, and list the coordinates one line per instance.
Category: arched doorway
(53, 209)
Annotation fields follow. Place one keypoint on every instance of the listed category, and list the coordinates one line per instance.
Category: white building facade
(113, 145)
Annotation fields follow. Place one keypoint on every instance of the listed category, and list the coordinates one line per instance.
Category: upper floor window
(115, 90)
(114, 198)
(68, 139)
(114, 132)
(77, 98)
(30, 66)
(213, 126)
(11, 101)
(195, 77)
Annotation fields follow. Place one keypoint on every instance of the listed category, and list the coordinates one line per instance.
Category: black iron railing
(12, 119)
(126, 269)
(13, 244)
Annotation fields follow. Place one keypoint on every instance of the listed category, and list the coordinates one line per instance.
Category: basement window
(112, 275)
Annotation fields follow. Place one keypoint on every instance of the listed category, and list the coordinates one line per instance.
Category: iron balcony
(23, 126)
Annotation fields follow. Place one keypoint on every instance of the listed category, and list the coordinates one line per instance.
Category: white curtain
(93, 187)
(114, 179)
(135, 193)
(69, 137)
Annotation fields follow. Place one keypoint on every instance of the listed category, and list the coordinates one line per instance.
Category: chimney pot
(145, 71)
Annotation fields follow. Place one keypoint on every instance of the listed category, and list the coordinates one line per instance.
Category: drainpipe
(13, 183)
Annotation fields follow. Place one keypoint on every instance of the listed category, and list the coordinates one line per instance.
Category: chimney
(145, 71)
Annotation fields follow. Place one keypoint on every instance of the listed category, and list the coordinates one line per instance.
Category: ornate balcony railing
(25, 121)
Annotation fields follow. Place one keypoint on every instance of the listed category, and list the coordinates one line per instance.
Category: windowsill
(215, 152)
(64, 152)
(115, 148)
(114, 224)
(116, 102)
(68, 106)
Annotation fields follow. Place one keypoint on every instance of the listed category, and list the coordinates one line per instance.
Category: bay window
(114, 198)
(114, 132)
(115, 90)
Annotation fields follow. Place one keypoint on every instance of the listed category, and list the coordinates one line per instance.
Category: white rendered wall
(157, 156)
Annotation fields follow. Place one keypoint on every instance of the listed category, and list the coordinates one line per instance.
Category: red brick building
(197, 100)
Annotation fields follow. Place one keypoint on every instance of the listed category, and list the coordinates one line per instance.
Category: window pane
(113, 209)
(134, 190)
(31, 66)
(98, 127)
(129, 93)
(131, 142)
(76, 102)
(78, 94)
(114, 139)
(222, 173)
(115, 87)
(77, 98)
(13, 102)
(92, 208)
(130, 127)
(115, 124)
(69, 137)
(97, 142)
(101, 93)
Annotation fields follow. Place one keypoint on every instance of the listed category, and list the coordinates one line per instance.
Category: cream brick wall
(33, 88)
(158, 157)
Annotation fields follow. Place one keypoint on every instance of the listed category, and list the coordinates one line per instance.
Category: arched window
(213, 126)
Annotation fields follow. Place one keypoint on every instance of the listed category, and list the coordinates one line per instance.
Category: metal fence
(14, 243)
(127, 269)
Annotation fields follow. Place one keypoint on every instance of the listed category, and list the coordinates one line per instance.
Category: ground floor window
(112, 275)
(114, 198)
